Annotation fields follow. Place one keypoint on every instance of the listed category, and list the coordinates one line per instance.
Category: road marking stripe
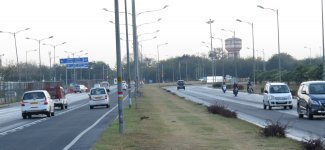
(89, 128)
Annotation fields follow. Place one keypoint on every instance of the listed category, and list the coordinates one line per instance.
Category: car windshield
(279, 89)
(97, 91)
(317, 89)
(180, 82)
(33, 95)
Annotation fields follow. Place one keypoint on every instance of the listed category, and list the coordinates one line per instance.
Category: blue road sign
(77, 66)
(73, 60)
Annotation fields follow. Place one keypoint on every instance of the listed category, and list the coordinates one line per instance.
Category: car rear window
(279, 89)
(180, 82)
(33, 95)
(317, 89)
(97, 91)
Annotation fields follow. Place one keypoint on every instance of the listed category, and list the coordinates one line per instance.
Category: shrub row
(314, 144)
(221, 110)
(275, 129)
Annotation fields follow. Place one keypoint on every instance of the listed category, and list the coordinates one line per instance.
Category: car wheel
(48, 114)
(107, 106)
(52, 113)
(290, 107)
(309, 114)
(264, 106)
(29, 116)
(284, 107)
(270, 107)
(66, 106)
(301, 115)
(91, 107)
(62, 107)
(24, 116)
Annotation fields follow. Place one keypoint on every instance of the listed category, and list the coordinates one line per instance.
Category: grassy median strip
(165, 121)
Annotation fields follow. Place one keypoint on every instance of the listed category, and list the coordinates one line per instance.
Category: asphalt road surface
(77, 127)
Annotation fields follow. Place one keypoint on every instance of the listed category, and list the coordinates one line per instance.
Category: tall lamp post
(213, 53)
(235, 57)
(323, 41)
(39, 49)
(14, 34)
(222, 57)
(309, 54)
(34, 50)
(277, 16)
(254, 65)
(159, 62)
(54, 46)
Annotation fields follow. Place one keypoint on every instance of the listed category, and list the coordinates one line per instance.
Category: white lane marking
(37, 121)
(89, 128)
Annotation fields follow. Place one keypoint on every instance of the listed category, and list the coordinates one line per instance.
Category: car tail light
(45, 101)
(22, 103)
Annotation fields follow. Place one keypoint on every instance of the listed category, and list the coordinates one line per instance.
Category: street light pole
(119, 67)
(135, 46)
(39, 50)
(211, 37)
(254, 65)
(277, 17)
(222, 57)
(309, 54)
(54, 46)
(158, 68)
(26, 59)
(128, 54)
(14, 34)
(323, 41)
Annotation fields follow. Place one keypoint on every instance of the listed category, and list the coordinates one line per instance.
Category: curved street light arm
(152, 10)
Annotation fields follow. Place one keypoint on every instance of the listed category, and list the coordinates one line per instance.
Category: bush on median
(314, 144)
(275, 129)
(221, 110)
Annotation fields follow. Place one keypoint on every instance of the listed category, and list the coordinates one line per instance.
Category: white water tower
(233, 46)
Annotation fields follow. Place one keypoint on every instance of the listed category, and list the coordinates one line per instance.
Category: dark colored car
(180, 84)
(311, 99)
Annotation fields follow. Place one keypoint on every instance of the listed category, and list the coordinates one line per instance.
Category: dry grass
(177, 124)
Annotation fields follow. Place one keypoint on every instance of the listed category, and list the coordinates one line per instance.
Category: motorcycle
(224, 88)
(250, 89)
(235, 91)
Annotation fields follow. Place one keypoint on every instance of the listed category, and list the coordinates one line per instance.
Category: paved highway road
(250, 108)
(77, 127)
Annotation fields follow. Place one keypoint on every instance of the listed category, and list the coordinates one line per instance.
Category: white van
(277, 95)
(37, 102)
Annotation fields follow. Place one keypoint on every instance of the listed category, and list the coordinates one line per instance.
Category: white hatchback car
(99, 97)
(37, 102)
(277, 95)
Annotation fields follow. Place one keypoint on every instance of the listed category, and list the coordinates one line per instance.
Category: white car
(277, 95)
(37, 102)
(99, 97)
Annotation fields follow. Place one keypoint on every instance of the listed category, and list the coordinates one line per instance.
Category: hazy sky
(85, 26)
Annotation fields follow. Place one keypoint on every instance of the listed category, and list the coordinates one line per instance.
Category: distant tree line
(186, 67)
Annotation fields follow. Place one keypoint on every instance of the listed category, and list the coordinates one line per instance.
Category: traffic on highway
(76, 127)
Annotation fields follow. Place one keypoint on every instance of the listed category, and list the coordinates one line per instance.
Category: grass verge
(165, 121)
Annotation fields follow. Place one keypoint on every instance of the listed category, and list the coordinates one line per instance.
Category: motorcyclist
(235, 88)
(249, 87)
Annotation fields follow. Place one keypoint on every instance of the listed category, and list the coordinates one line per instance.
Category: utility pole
(119, 68)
